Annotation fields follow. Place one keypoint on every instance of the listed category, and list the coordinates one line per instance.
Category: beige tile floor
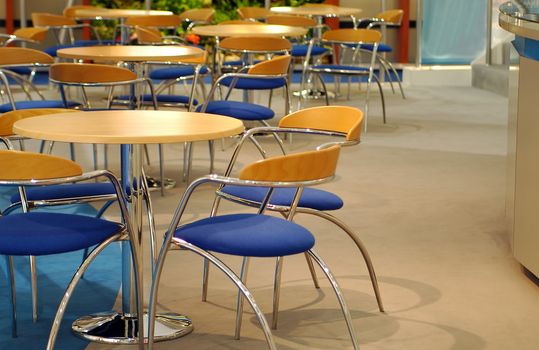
(426, 192)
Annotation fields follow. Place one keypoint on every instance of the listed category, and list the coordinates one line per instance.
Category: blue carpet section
(96, 292)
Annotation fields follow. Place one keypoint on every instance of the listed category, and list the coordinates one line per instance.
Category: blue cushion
(38, 233)
(236, 63)
(255, 84)
(161, 98)
(21, 70)
(381, 47)
(247, 235)
(301, 50)
(238, 110)
(93, 42)
(339, 67)
(175, 72)
(6, 107)
(310, 198)
(66, 191)
(52, 49)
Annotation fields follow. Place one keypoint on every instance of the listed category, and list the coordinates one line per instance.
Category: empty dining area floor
(426, 192)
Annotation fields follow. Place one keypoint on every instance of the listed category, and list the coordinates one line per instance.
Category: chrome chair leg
(12, 295)
(312, 271)
(221, 266)
(277, 138)
(205, 279)
(161, 169)
(211, 146)
(392, 68)
(71, 287)
(382, 97)
(324, 87)
(340, 297)
(147, 154)
(359, 244)
(33, 282)
(72, 151)
(277, 291)
(94, 147)
(239, 304)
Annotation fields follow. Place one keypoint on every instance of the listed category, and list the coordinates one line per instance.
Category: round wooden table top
(230, 30)
(116, 13)
(128, 127)
(131, 53)
(325, 11)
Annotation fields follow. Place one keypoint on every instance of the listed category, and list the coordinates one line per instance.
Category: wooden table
(130, 129)
(230, 30)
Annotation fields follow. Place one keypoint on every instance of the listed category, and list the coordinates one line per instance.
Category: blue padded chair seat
(93, 42)
(38, 233)
(310, 198)
(6, 107)
(381, 47)
(175, 72)
(161, 98)
(301, 50)
(339, 67)
(21, 70)
(247, 235)
(237, 63)
(239, 110)
(255, 84)
(66, 191)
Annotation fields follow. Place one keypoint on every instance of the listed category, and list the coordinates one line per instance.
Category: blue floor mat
(96, 292)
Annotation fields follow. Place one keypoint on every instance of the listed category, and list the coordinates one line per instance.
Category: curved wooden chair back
(257, 44)
(148, 35)
(25, 166)
(9, 118)
(319, 5)
(42, 19)
(89, 73)
(198, 15)
(353, 35)
(391, 16)
(297, 167)
(31, 33)
(160, 21)
(276, 66)
(252, 12)
(72, 10)
(23, 56)
(294, 21)
(239, 21)
(343, 119)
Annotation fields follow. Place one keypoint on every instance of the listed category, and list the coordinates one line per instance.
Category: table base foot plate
(117, 328)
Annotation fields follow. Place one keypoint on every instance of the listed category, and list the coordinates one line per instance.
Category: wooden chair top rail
(24, 166)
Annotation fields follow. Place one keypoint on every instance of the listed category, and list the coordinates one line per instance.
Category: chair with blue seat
(256, 234)
(43, 233)
(355, 38)
(328, 121)
(385, 19)
(62, 194)
(19, 57)
(265, 74)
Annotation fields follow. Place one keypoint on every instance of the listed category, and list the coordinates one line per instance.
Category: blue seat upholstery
(66, 191)
(38, 233)
(93, 42)
(174, 72)
(161, 98)
(236, 63)
(51, 50)
(6, 107)
(255, 84)
(247, 235)
(381, 47)
(239, 110)
(301, 50)
(310, 198)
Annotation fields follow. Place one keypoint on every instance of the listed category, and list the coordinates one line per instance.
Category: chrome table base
(116, 328)
(313, 94)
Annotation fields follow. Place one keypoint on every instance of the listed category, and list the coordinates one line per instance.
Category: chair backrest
(256, 44)
(294, 21)
(25, 166)
(42, 19)
(239, 21)
(368, 36)
(23, 56)
(252, 12)
(148, 35)
(276, 66)
(198, 15)
(342, 119)
(391, 16)
(89, 73)
(160, 21)
(71, 10)
(318, 5)
(9, 118)
(296, 167)
(31, 33)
